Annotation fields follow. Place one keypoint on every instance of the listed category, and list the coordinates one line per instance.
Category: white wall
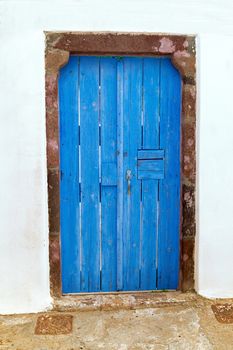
(24, 274)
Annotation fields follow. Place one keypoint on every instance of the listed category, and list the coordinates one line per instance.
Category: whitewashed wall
(24, 270)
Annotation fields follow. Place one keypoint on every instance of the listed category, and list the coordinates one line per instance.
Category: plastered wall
(24, 274)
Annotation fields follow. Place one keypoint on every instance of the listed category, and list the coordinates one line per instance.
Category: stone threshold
(122, 300)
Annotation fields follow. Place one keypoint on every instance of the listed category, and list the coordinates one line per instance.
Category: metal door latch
(128, 178)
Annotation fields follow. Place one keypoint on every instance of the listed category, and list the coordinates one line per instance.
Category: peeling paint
(166, 45)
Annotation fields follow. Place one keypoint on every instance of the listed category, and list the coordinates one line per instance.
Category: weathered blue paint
(89, 147)
(150, 169)
(120, 173)
(169, 187)
(149, 183)
(132, 107)
(151, 154)
(108, 120)
(122, 231)
(69, 166)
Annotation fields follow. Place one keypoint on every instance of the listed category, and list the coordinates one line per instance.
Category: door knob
(128, 178)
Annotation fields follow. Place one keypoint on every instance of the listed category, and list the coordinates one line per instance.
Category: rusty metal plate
(53, 324)
(223, 312)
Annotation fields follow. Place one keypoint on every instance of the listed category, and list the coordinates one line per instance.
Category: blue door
(120, 174)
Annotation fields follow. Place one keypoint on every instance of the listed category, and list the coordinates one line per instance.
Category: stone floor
(124, 322)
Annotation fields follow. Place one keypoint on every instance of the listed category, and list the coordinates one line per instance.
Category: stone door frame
(181, 49)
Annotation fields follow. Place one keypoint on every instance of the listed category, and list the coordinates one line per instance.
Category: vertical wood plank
(89, 141)
(69, 185)
(120, 176)
(108, 111)
(169, 188)
(151, 73)
(132, 141)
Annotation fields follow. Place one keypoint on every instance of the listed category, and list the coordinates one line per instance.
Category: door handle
(128, 178)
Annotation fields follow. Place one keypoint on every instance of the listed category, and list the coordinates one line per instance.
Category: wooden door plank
(120, 176)
(69, 186)
(108, 113)
(151, 165)
(151, 154)
(109, 173)
(89, 143)
(132, 106)
(150, 175)
(149, 219)
(169, 187)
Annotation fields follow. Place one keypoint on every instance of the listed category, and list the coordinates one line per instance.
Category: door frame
(182, 51)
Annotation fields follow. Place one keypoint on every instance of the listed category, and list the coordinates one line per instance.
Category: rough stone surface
(189, 101)
(54, 200)
(55, 267)
(55, 59)
(116, 301)
(187, 263)
(186, 325)
(116, 43)
(53, 324)
(188, 224)
(51, 87)
(223, 312)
